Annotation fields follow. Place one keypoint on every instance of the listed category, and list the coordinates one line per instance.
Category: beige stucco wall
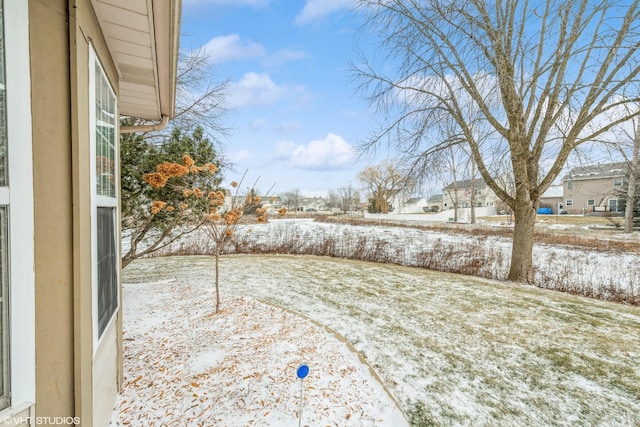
(52, 208)
(68, 374)
(600, 190)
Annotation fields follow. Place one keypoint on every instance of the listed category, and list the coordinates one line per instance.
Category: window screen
(107, 264)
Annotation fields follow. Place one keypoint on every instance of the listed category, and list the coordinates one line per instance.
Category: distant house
(273, 203)
(553, 198)
(313, 204)
(411, 205)
(435, 203)
(460, 192)
(594, 188)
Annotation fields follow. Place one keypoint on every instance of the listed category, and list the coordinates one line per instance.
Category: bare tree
(544, 75)
(200, 99)
(633, 182)
(383, 181)
(447, 166)
(291, 199)
(333, 199)
(346, 198)
(629, 147)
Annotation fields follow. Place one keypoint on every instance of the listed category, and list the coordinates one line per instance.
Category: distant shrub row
(570, 272)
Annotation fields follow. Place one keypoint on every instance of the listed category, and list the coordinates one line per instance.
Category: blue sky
(295, 119)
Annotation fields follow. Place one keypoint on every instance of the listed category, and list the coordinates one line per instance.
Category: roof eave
(143, 40)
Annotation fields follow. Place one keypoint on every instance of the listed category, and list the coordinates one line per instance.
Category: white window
(568, 202)
(591, 202)
(618, 182)
(570, 185)
(17, 277)
(104, 151)
(613, 205)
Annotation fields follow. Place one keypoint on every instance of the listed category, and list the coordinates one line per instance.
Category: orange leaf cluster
(188, 161)
(171, 170)
(232, 217)
(216, 197)
(157, 206)
(167, 170)
(155, 179)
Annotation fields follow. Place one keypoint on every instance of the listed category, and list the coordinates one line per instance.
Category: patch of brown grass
(596, 239)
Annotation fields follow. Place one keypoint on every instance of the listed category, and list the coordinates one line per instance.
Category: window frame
(568, 202)
(591, 202)
(19, 197)
(569, 185)
(101, 201)
(618, 181)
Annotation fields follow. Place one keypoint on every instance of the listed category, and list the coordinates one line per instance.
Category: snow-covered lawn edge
(575, 270)
(186, 365)
(455, 350)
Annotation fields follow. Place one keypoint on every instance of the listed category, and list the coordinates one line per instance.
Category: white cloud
(317, 9)
(240, 156)
(257, 89)
(284, 55)
(254, 89)
(330, 153)
(232, 48)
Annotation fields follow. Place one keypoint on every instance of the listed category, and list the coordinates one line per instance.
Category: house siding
(599, 190)
(105, 371)
(71, 380)
(53, 225)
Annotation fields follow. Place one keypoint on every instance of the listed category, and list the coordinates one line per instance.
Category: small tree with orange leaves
(220, 216)
(223, 219)
(144, 231)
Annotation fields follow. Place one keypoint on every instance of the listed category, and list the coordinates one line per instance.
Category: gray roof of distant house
(605, 170)
(413, 200)
(435, 198)
(466, 183)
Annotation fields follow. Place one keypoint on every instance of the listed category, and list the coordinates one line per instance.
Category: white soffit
(142, 39)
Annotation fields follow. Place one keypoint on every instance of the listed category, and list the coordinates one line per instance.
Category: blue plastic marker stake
(302, 372)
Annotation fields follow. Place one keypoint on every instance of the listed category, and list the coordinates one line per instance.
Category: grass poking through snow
(454, 349)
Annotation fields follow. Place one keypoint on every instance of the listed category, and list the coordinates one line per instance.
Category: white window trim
(99, 201)
(21, 211)
(568, 202)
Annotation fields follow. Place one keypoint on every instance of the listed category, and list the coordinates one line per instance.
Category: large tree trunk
(633, 179)
(522, 251)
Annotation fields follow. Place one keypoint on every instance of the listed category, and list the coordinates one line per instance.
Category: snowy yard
(185, 365)
(609, 275)
(455, 350)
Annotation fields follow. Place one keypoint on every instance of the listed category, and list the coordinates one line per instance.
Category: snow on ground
(577, 270)
(467, 351)
(511, 355)
(185, 365)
